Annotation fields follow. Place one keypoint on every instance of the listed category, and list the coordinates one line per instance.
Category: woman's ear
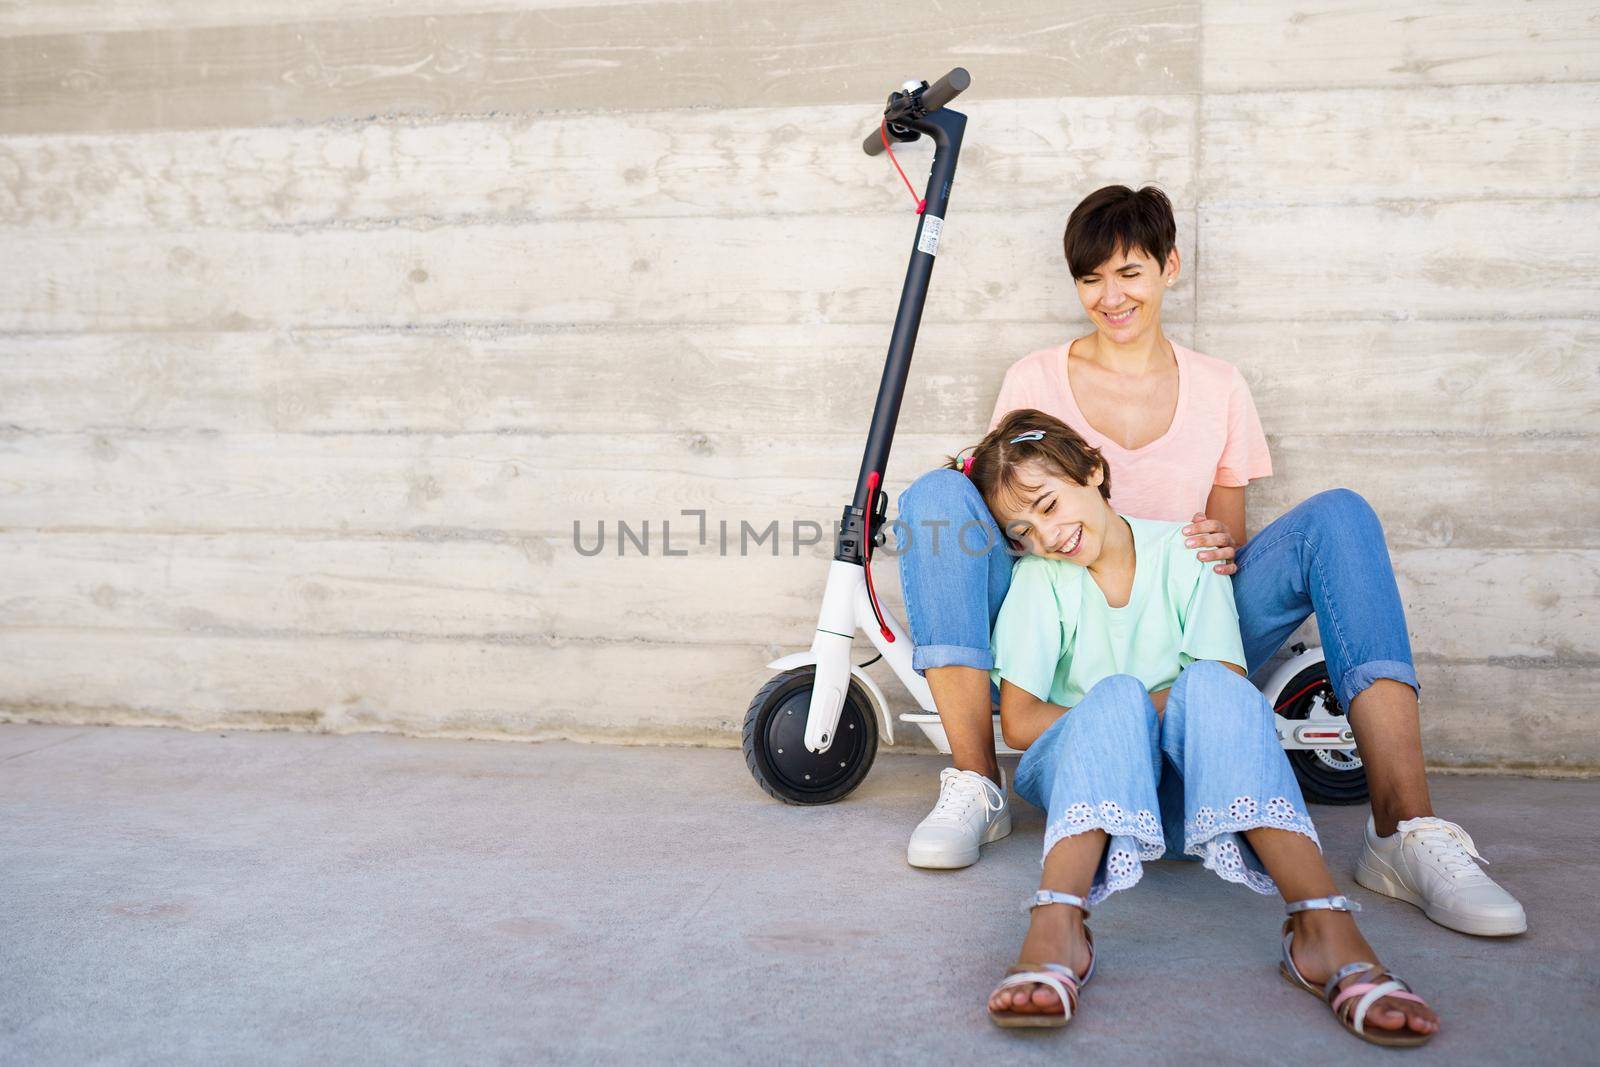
(1098, 477)
(1171, 268)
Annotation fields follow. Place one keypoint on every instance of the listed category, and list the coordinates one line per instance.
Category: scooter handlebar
(934, 97)
(946, 89)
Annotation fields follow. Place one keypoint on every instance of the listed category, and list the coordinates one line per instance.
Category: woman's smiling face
(1123, 295)
(1055, 517)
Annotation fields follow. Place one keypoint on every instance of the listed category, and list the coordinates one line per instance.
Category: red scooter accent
(883, 131)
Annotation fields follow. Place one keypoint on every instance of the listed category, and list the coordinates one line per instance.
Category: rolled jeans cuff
(925, 656)
(1357, 679)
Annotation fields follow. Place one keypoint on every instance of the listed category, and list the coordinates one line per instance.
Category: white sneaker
(971, 812)
(1429, 862)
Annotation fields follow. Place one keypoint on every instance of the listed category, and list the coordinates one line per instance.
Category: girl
(1120, 668)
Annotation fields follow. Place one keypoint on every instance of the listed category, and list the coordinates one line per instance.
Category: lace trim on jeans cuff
(1279, 813)
(1123, 871)
(1215, 839)
(1123, 866)
(1222, 855)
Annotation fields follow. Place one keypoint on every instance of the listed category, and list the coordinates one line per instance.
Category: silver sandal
(1351, 1004)
(1057, 976)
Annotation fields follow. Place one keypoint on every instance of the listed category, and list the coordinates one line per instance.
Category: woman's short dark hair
(1117, 219)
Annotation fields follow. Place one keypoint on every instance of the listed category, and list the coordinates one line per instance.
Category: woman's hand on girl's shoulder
(1214, 541)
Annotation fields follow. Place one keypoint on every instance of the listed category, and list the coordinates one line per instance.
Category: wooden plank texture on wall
(1464, 142)
(590, 690)
(696, 692)
(995, 266)
(1444, 490)
(1253, 45)
(537, 485)
(1475, 377)
(49, 17)
(635, 57)
(569, 166)
(1487, 259)
(1417, 376)
(1463, 260)
(1462, 603)
(1510, 714)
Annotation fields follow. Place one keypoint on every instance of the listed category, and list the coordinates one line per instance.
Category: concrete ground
(170, 897)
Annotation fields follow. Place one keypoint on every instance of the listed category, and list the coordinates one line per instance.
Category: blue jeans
(1326, 555)
(1188, 784)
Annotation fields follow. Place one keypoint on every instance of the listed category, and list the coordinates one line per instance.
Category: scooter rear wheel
(1327, 776)
(775, 748)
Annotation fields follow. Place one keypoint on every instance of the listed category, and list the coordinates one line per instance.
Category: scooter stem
(945, 128)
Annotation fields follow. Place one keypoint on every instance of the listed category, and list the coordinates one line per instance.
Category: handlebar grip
(934, 97)
(946, 89)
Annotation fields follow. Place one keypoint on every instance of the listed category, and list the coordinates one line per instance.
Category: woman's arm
(1226, 505)
(1220, 530)
(1023, 716)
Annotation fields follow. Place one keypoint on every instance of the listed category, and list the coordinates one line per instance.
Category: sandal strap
(1338, 902)
(1370, 993)
(1288, 956)
(1357, 988)
(1331, 986)
(1058, 977)
(1050, 896)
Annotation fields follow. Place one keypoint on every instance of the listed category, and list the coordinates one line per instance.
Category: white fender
(874, 694)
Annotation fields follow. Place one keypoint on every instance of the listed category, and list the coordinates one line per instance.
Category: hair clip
(966, 466)
(1031, 435)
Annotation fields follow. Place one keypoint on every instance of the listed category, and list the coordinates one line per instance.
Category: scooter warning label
(932, 227)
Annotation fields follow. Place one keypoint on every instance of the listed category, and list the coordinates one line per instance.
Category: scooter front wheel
(775, 741)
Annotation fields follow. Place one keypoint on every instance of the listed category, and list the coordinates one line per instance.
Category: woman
(1182, 431)
(1120, 669)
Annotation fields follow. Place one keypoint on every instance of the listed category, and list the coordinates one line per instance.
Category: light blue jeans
(1326, 555)
(1188, 783)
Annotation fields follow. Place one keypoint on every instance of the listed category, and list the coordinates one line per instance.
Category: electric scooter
(811, 734)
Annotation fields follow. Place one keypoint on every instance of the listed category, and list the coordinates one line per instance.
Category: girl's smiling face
(1123, 295)
(1055, 517)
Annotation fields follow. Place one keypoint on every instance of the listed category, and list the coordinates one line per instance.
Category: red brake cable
(1300, 694)
(883, 131)
(872, 595)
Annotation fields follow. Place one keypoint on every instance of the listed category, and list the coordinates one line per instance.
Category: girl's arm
(1023, 716)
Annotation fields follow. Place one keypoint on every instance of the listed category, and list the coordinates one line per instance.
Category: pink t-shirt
(1215, 437)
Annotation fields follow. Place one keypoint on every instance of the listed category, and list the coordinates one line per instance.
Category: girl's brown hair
(997, 458)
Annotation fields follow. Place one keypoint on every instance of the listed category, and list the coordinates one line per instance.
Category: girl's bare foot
(1324, 941)
(1055, 935)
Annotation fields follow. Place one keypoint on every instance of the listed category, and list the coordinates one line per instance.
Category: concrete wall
(317, 336)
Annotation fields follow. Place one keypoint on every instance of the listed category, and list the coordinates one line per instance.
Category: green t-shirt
(1056, 636)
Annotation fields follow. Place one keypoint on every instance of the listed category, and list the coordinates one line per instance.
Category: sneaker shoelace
(1447, 843)
(957, 791)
